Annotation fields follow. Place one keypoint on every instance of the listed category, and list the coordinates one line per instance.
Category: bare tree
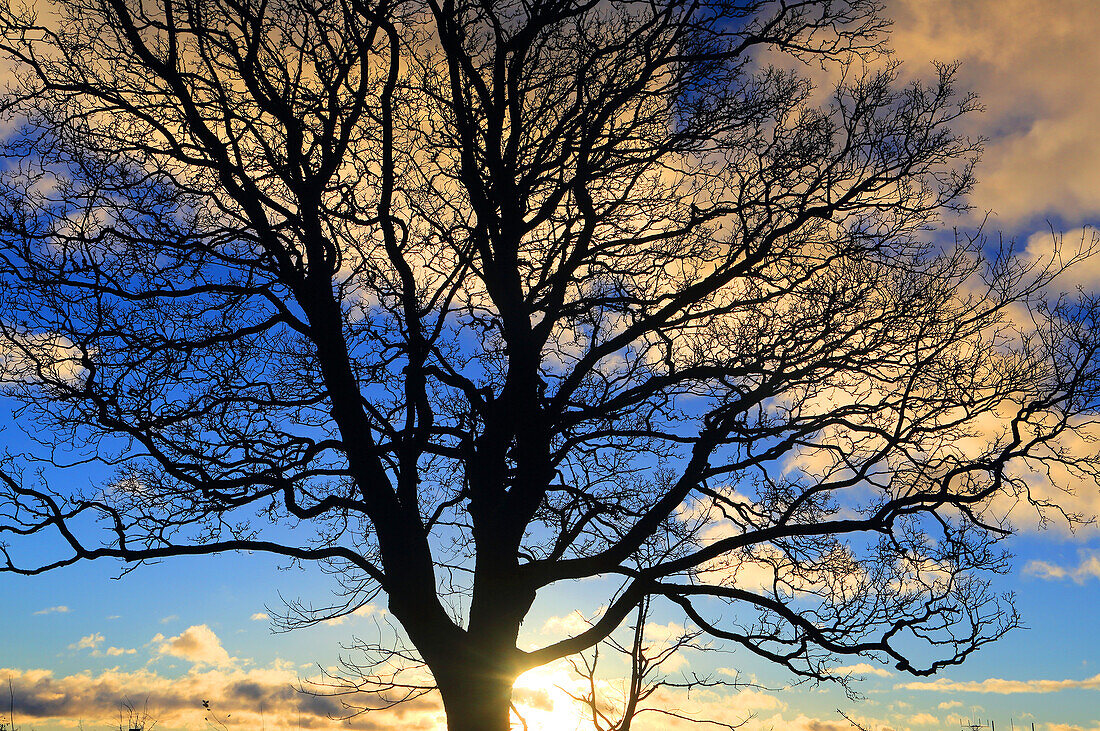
(132, 718)
(482, 296)
(615, 708)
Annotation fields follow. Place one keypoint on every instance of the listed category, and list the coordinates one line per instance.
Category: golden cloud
(197, 644)
(258, 697)
(1028, 65)
(998, 685)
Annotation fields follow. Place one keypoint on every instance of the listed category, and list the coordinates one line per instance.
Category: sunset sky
(74, 642)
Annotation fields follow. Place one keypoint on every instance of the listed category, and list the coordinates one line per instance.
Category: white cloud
(949, 704)
(169, 618)
(924, 719)
(862, 668)
(260, 617)
(59, 609)
(998, 685)
(197, 644)
(1087, 568)
(94, 640)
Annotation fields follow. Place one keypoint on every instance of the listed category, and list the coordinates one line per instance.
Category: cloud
(1087, 568)
(366, 610)
(998, 685)
(94, 640)
(88, 642)
(802, 722)
(862, 668)
(260, 617)
(1057, 249)
(1027, 64)
(30, 358)
(570, 624)
(949, 704)
(924, 719)
(42, 698)
(544, 697)
(197, 644)
(175, 702)
(59, 609)
(169, 618)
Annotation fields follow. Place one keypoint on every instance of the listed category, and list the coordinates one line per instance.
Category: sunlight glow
(542, 701)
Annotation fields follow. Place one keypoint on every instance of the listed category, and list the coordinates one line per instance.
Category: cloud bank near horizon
(1000, 685)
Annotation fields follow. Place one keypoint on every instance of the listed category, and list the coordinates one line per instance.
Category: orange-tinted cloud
(197, 644)
(176, 702)
(1032, 64)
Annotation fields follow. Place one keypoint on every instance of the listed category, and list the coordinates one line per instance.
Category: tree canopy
(462, 299)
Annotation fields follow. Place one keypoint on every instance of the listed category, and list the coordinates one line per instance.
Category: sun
(541, 699)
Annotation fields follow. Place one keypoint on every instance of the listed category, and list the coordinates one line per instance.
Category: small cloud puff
(197, 644)
(94, 640)
(88, 642)
(59, 609)
(260, 617)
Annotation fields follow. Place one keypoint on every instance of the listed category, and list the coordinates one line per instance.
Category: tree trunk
(475, 700)
(475, 668)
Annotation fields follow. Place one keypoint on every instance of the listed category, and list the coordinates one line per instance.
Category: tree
(481, 297)
(615, 708)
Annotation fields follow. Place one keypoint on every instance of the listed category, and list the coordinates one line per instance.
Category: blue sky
(76, 641)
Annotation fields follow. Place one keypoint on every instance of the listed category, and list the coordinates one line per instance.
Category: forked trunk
(475, 700)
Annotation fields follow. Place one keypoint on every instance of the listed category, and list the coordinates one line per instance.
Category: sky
(167, 637)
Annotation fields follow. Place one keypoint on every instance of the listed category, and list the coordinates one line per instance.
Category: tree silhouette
(614, 707)
(480, 297)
